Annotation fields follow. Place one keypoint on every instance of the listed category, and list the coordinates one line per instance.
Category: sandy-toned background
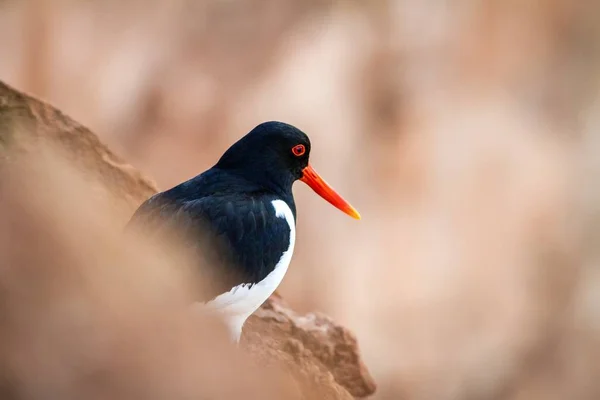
(466, 134)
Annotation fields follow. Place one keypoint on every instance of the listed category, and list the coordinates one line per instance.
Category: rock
(27, 123)
(314, 344)
(322, 357)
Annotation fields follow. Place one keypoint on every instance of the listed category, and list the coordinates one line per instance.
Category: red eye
(298, 150)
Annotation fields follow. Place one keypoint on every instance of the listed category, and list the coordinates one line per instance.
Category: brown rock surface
(26, 122)
(326, 350)
(322, 357)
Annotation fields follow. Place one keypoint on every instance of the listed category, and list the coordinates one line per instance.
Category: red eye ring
(299, 150)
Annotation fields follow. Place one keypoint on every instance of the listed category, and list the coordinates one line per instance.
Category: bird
(240, 217)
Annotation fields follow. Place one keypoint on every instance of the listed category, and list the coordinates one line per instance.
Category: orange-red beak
(312, 179)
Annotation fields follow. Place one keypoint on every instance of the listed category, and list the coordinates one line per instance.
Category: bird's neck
(277, 183)
(280, 192)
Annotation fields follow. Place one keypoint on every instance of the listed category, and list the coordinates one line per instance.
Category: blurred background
(466, 134)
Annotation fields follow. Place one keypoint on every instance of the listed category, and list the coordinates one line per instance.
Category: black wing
(237, 239)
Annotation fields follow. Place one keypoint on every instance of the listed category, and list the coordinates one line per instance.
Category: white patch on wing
(241, 301)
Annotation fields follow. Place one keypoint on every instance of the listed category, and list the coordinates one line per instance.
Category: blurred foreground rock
(322, 358)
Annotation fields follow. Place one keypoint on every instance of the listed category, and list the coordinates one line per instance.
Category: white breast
(241, 301)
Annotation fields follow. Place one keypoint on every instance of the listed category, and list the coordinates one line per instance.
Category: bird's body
(242, 300)
(239, 217)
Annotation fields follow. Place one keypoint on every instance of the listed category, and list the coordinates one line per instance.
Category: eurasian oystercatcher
(240, 215)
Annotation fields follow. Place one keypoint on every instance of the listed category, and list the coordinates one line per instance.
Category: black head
(273, 154)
